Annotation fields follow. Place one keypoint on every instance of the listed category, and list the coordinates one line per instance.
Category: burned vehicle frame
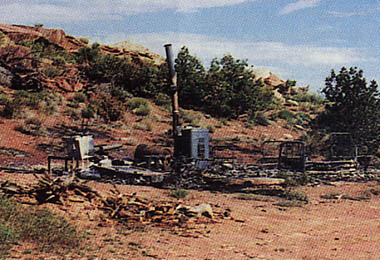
(290, 155)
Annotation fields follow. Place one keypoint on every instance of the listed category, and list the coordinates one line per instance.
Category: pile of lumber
(129, 209)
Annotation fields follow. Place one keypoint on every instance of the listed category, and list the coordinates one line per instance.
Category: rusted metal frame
(65, 158)
(295, 159)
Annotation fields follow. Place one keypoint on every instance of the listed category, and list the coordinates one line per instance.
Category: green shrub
(191, 117)
(144, 126)
(120, 94)
(136, 102)
(45, 101)
(162, 99)
(140, 106)
(289, 203)
(309, 98)
(52, 72)
(259, 118)
(31, 126)
(4, 99)
(8, 110)
(2, 38)
(42, 48)
(7, 237)
(88, 112)
(286, 115)
(80, 97)
(41, 227)
(302, 118)
(292, 194)
(143, 110)
(211, 128)
(179, 193)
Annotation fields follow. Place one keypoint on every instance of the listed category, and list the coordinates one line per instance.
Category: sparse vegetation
(2, 39)
(51, 71)
(365, 195)
(294, 194)
(192, 118)
(80, 97)
(308, 97)
(144, 125)
(286, 115)
(18, 223)
(259, 118)
(32, 126)
(139, 106)
(254, 197)
(179, 193)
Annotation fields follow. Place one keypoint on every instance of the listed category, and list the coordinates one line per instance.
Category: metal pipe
(174, 88)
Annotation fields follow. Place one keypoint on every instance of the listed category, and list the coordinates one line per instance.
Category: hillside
(46, 60)
(53, 86)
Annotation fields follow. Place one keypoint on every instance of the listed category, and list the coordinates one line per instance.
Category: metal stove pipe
(174, 88)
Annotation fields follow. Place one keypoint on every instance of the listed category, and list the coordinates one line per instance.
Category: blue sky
(300, 40)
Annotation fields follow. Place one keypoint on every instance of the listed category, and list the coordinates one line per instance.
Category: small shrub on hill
(309, 98)
(286, 115)
(179, 193)
(51, 71)
(80, 97)
(190, 117)
(259, 118)
(2, 38)
(162, 100)
(140, 106)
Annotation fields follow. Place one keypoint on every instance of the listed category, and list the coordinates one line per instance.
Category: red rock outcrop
(18, 33)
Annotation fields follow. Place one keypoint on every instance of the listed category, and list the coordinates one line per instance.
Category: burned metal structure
(290, 155)
(193, 162)
(190, 144)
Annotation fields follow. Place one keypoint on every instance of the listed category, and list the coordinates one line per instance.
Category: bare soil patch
(256, 229)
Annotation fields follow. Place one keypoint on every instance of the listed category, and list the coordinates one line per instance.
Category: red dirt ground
(322, 229)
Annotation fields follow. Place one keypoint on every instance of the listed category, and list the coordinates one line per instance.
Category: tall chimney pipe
(174, 89)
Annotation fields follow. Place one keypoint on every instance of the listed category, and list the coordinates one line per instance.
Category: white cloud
(355, 13)
(207, 47)
(300, 4)
(17, 11)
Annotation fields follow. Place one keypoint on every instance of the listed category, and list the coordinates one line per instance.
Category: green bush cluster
(51, 71)
(308, 97)
(44, 101)
(42, 48)
(137, 78)
(2, 38)
(190, 117)
(227, 89)
(179, 193)
(139, 106)
(259, 118)
(286, 115)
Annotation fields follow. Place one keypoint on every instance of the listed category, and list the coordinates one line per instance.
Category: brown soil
(321, 229)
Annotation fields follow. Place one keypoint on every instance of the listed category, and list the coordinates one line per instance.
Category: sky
(300, 40)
